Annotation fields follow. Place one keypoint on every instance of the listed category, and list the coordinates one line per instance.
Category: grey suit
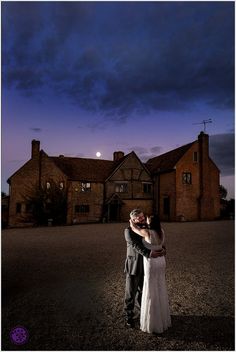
(134, 271)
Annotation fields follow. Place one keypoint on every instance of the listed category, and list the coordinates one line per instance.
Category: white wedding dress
(155, 311)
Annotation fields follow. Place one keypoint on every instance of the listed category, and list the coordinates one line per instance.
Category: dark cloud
(221, 148)
(120, 58)
(156, 150)
(146, 153)
(36, 129)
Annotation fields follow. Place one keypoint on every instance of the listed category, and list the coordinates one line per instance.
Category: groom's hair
(135, 212)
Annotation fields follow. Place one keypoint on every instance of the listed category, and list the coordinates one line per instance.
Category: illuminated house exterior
(182, 184)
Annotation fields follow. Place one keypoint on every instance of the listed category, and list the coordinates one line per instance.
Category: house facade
(182, 184)
(186, 183)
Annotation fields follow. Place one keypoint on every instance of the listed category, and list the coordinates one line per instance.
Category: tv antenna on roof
(204, 122)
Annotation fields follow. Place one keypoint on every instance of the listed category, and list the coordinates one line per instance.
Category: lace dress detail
(155, 312)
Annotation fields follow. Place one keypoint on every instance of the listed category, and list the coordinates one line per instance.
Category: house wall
(5, 211)
(187, 195)
(21, 183)
(92, 198)
(214, 182)
(166, 184)
(50, 172)
(134, 174)
(199, 200)
(146, 205)
(209, 182)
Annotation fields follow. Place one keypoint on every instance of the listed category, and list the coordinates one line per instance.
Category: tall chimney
(203, 140)
(203, 145)
(35, 149)
(118, 155)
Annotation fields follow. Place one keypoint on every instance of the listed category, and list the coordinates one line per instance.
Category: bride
(155, 312)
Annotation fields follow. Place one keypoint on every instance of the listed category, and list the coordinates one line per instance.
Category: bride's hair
(156, 225)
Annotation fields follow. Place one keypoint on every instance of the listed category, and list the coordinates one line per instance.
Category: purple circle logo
(19, 335)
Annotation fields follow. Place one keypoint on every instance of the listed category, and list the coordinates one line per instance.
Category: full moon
(98, 154)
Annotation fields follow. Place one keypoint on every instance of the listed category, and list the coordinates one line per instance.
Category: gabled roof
(168, 160)
(86, 169)
(114, 198)
(83, 168)
(121, 161)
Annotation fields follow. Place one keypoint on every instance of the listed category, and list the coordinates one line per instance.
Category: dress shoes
(129, 323)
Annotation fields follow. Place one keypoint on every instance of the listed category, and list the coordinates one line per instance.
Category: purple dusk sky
(83, 77)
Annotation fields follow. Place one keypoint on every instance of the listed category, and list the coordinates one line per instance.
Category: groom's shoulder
(127, 230)
(129, 233)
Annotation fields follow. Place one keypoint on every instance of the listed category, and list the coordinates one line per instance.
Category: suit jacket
(135, 253)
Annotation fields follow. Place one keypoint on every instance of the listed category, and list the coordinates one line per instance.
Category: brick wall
(166, 194)
(21, 184)
(187, 194)
(85, 206)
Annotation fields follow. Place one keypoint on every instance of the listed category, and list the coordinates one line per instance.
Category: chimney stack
(203, 140)
(35, 149)
(118, 155)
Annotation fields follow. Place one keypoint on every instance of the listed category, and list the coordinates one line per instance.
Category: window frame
(119, 185)
(84, 186)
(195, 157)
(82, 208)
(148, 185)
(186, 178)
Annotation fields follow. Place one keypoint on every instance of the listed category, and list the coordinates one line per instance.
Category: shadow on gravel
(213, 331)
(187, 333)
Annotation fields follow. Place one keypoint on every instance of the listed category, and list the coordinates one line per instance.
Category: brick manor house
(182, 184)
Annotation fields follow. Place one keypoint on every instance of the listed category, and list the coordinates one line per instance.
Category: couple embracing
(145, 274)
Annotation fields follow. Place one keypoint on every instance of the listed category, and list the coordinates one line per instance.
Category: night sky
(83, 77)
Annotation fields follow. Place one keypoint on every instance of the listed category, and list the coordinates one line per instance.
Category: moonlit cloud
(120, 58)
(146, 153)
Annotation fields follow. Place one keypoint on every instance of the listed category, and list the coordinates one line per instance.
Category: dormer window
(121, 187)
(85, 186)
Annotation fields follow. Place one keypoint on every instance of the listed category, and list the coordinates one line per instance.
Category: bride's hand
(132, 224)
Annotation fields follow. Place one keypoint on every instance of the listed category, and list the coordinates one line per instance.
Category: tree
(223, 192)
(46, 203)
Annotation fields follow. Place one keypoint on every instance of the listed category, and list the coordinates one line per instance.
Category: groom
(134, 266)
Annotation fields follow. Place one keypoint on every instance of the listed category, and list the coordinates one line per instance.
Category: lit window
(121, 188)
(147, 188)
(61, 185)
(85, 186)
(187, 178)
(48, 185)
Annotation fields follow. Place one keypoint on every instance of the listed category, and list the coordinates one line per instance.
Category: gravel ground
(66, 286)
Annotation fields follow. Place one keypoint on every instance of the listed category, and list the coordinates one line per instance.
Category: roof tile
(168, 160)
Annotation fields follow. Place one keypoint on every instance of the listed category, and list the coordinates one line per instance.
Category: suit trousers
(133, 294)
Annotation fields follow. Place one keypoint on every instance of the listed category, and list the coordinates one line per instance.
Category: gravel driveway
(65, 285)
